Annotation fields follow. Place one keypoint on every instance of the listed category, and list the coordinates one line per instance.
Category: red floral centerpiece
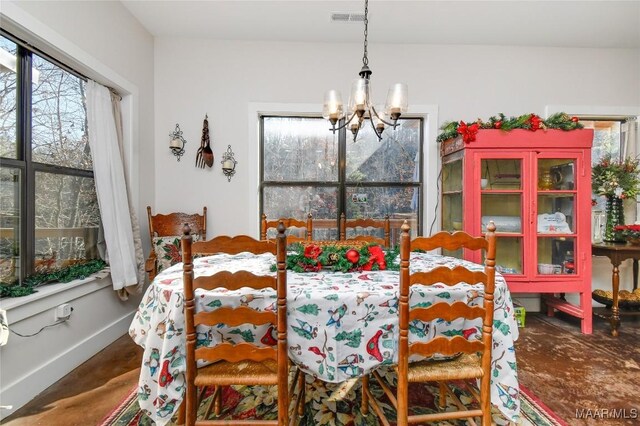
(340, 256)
(630, 233)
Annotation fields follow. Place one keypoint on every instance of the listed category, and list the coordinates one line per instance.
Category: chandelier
(360, 107)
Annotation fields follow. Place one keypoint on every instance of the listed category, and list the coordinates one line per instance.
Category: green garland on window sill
(63, 275)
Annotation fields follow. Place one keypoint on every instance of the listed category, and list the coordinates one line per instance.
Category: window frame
(341, 184)
(23, 161)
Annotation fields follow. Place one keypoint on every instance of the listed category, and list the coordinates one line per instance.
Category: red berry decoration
(497, 124)
(352, 255)
(575, 119)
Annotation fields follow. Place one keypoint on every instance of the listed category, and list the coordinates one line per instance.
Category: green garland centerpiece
(340, 258)
(63, 275)
(532, 122)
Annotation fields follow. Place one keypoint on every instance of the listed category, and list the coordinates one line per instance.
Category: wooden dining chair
(364, 224)
(291, 224)
(165, 231)
(242, 363)
(472, 354)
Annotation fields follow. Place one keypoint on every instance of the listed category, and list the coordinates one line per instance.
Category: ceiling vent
(347, 17)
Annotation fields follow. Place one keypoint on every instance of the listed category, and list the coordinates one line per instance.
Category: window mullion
(23, 138)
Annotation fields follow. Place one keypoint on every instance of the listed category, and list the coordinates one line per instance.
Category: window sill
(50, 295)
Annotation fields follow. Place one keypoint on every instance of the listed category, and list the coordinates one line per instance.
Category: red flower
(534, 122)
(468, 132)
(312, 251)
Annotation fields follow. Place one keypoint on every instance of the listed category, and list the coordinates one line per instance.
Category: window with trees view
(49, 216)
(305, 169)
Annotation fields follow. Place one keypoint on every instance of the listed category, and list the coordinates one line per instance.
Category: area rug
(330, 404)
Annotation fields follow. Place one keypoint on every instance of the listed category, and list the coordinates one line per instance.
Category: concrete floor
(567, 370)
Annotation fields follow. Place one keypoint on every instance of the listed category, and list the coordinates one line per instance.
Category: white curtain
(630, 145)
(135, 226)
(111, 187)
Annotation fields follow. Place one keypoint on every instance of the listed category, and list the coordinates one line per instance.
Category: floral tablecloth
(340, 325)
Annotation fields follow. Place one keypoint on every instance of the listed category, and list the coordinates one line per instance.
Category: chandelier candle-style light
(360, 107)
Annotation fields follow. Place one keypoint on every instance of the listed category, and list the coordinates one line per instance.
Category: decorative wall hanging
(204, 155)
(228, 164)
(177, 142)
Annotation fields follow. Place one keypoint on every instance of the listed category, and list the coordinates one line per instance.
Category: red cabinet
(536, 187)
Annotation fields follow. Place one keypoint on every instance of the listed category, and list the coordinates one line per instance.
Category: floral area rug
(332, 404)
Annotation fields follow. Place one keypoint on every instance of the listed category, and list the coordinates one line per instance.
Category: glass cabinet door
(501, 201)
(452, 213)
(452, 195)
(556, 232)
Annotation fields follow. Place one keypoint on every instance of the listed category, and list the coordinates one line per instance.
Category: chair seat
(238, 373)
(466, 366)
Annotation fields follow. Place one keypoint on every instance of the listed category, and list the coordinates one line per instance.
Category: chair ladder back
(233, 245)
(449, 312)
(234, 316)
(163, 225)
(449, 241)
(449, 276)
(364, 223)
(288, 222)
(234, 281)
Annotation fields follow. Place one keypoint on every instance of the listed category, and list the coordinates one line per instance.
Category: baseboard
(21, 392)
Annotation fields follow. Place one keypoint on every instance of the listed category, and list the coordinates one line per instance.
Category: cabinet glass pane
(556, 174)
(452, 212)
(505, 211)
(555, 214)
(452, 176)
(556, 256)
(502, 174)
(509, 255)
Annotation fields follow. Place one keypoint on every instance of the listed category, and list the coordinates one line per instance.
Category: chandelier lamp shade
(360, 107)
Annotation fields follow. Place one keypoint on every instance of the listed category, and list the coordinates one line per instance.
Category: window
(606, 138)
(307, 169)
(48, 206)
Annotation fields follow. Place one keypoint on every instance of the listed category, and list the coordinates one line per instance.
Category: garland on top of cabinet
(532, 122)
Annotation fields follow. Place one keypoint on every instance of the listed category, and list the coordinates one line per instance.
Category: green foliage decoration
(616, 178)
(560, 121)
(63, 275)
(334, 258)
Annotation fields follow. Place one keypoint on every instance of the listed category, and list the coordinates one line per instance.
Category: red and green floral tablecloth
(340, 325)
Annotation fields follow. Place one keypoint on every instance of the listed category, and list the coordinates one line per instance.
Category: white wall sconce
(228, 164)
(177, 142)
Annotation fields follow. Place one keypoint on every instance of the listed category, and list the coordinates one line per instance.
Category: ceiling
(606, 24)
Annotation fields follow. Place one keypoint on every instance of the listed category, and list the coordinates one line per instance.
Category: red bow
(468, 132)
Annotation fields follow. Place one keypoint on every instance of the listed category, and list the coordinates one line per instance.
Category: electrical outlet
(63, 311)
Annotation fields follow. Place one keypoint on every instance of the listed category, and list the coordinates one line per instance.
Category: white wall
(104, 42)
(221, 78)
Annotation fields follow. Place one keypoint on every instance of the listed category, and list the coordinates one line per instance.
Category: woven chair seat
(238, 373)
(466, 366)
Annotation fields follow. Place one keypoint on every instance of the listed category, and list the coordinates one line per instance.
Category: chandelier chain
(365, 58)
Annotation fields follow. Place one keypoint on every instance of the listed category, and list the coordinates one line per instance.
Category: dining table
(341, 325)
